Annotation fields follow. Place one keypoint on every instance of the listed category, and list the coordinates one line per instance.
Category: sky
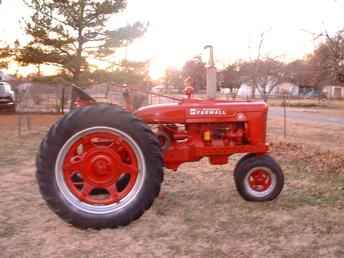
(179, 29)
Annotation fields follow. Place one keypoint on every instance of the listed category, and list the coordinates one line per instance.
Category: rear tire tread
(82, 118)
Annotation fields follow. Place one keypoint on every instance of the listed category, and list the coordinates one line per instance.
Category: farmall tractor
(102, 166)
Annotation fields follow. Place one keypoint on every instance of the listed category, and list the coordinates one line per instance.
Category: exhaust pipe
(211, 74)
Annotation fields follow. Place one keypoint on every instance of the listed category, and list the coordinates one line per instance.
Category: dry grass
(309, 103)
(198, 214)
(320, 135)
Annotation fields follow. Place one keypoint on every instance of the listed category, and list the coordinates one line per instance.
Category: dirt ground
(199, 212)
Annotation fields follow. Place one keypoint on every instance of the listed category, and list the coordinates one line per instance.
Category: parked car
(7, 97)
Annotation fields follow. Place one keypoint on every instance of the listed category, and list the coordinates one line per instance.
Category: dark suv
(7, 97)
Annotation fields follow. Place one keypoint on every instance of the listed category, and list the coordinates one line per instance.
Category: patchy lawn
(308, 103)
(198, 213)
(326, 137)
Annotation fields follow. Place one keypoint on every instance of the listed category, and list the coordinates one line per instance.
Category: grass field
(308, 103)
(198, 213)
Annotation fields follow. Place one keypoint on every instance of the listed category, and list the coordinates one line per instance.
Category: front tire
(243, 158)
(259, 178)
(99, 167)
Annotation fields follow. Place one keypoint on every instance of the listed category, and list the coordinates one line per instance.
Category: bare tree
(326, 63)
(330, 55)
(263, 74)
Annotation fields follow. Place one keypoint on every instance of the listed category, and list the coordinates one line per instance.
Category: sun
(157, 69)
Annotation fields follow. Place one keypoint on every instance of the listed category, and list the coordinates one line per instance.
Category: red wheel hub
(260, 180)
(94, 165)
(162, 140)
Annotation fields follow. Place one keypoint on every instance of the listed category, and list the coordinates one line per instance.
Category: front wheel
(259, 178)
(99, 167)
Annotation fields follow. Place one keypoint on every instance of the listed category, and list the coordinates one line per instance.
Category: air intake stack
(211, 74)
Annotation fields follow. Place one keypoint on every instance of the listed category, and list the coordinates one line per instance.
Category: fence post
(28, 122)
(285, 115)
(19, 117)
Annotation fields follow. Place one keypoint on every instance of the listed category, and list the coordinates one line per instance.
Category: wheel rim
(260, 181)
(100, 170)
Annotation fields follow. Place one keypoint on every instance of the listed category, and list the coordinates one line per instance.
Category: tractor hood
(199, 111)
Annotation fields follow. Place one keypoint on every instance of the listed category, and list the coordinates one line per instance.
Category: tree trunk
(253, 91)
(76, 75)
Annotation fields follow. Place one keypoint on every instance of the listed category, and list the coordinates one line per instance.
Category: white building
(245, 91)
(286, 87)
(334, 92)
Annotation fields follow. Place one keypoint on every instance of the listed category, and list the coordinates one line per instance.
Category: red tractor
(102, 166)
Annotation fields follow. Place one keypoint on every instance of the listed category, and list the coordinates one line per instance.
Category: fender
(80, 98)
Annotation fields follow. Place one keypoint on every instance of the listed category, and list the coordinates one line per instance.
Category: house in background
(286, 87)
(334, 91)
(245, 91)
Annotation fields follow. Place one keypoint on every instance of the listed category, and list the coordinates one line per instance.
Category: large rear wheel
(99, 167)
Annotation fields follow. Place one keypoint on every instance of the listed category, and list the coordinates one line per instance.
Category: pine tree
(68, 34)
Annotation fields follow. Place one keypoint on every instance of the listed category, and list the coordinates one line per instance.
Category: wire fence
(34, 98)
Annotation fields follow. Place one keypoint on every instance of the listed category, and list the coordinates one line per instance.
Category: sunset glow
(179, 29)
